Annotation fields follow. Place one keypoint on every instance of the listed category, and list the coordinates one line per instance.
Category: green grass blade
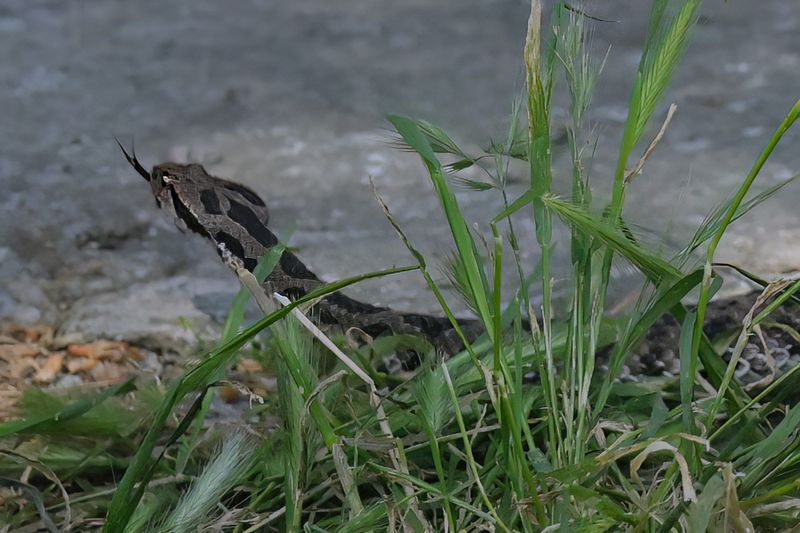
(233, 322)
(291, 405)
(688, 371)
(127, 497)
(465, 245)
(33, 495)
(68, 412)
(772, 450)
(666, 41)
(652, 266)
(637, 330)
(700, 512)
(714, 220)
(657, 271)
(734, 205)
(706, 285)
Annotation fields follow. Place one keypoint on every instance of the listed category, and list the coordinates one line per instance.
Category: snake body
(236, 220)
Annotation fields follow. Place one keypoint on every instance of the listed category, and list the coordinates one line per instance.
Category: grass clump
(474, 443)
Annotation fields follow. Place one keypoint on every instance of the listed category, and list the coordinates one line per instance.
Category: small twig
(329, 344)
(652, 146)
(244, 390)
(582, 13)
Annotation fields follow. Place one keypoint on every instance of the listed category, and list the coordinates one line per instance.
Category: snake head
(167, 181)
(178, 188)
(162, 179)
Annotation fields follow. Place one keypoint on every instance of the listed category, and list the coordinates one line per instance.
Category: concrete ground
(289, 98)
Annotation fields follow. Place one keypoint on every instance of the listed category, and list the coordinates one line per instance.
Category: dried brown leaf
(15, 352)
(229, 394)
(689, 494)
(105, 350)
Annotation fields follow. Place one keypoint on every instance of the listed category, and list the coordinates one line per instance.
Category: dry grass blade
(49, 474)
(637, 168)
(689, 494)
(734, 517)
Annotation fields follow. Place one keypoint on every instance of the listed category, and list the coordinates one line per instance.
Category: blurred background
(290, 98)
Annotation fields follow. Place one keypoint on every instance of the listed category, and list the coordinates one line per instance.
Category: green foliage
(198, 504)
(523, 430)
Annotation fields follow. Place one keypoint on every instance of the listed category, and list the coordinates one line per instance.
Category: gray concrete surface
(289, 97)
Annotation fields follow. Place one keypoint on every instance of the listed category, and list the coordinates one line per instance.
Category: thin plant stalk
(705, 286)
(541, 177)
(468, 450)
(666, 41)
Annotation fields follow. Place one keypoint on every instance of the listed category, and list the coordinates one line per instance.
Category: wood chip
(76, 366)
(48, 372)
(107, 372)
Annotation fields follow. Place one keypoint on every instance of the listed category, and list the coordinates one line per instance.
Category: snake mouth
(133, 161)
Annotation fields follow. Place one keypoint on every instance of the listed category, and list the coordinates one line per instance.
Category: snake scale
(235, 219)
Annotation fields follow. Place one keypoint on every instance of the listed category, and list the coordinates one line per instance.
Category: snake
(236, 221)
